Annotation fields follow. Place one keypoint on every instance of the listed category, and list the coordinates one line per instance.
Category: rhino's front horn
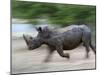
(25, 38)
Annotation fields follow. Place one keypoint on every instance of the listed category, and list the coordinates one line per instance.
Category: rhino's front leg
(59, 49)
(50, 52)
(47, 59)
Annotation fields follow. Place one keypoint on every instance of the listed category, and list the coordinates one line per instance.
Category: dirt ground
(25, 61)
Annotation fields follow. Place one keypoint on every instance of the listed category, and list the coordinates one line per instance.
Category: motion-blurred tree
(61, 14)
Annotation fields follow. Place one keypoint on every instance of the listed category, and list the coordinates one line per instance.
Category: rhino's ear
(46, 29)
(39, 29)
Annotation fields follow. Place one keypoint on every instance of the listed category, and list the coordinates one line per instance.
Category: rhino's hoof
(67, 55)
(46, 60)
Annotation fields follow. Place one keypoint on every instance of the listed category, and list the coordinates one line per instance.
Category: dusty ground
(25, 61)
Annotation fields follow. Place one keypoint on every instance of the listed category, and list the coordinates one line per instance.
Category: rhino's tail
(93, 47)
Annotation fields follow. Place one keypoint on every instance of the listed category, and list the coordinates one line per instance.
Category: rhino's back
(72, 39)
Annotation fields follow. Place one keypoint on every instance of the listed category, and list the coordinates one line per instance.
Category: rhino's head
(32, 43)
(43, 35)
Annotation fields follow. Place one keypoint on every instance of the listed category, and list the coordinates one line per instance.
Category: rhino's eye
(31, 38)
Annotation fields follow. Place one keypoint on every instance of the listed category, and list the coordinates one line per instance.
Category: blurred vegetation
(61, 14)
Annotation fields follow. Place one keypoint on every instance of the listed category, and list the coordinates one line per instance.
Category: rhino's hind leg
(87, 50)
(86, 42)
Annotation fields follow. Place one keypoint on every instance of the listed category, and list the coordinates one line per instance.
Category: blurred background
(28, 15)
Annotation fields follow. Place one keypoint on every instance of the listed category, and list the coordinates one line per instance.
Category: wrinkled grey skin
(62, 41)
